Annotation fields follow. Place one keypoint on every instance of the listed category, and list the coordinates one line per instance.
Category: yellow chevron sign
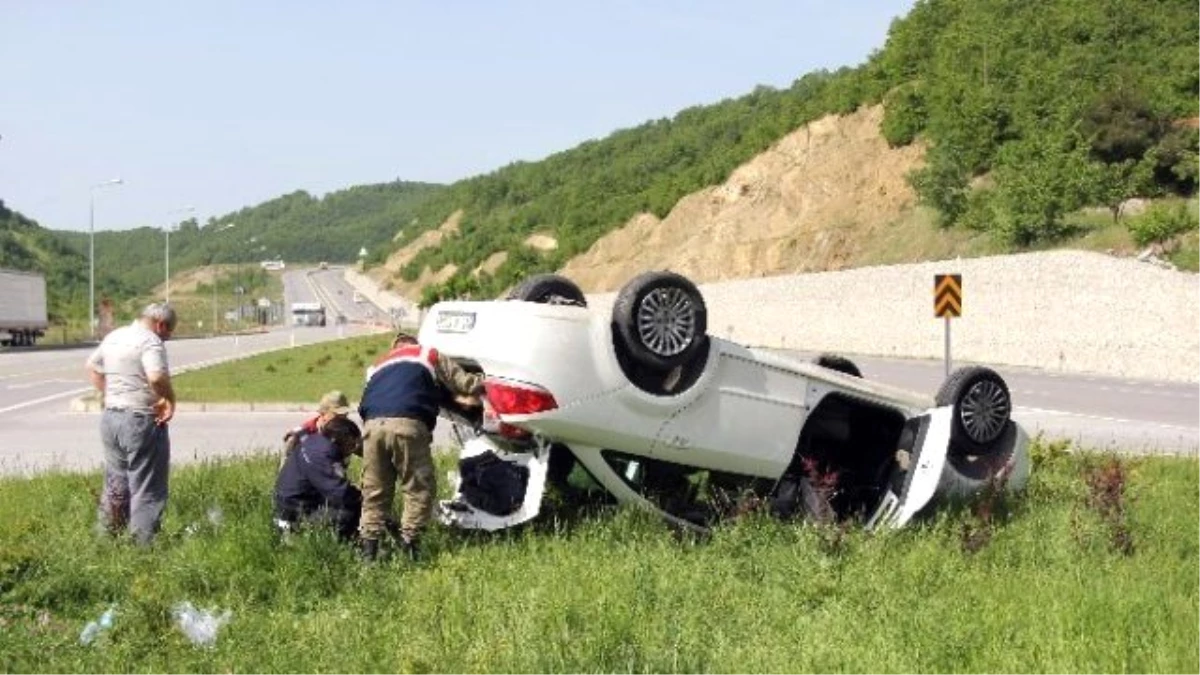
(947, 295)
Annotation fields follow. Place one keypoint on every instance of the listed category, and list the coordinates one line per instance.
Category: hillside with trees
(24, 245)
(295, 227)
(1030, 109)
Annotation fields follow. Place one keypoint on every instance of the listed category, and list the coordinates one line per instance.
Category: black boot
(411, 548)
(368, 549)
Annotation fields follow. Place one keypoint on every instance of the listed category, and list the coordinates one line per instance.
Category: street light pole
(239, 291)
(92, 253)
(167, 253)
(214, 279)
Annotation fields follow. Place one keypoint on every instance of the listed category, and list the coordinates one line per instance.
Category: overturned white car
(666, 417)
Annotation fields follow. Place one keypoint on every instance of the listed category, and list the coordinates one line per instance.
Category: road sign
(947, 295)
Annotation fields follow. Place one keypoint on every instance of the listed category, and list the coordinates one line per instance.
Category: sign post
(947, 303)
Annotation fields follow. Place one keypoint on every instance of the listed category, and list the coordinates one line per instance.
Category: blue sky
(225, 103)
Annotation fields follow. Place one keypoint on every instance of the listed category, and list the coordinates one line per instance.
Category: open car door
(910, 489)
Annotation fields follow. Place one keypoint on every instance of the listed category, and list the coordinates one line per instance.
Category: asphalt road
(1097, 412)
(38, 432)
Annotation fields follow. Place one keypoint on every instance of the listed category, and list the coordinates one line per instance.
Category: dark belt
(145, 413)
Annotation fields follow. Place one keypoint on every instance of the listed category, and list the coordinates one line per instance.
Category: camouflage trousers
(396, 450)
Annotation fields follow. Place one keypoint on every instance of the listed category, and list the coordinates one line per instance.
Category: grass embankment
(916, 237)
(289, 375)
(1094, 569)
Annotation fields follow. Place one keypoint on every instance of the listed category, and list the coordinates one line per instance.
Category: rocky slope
(807, 204)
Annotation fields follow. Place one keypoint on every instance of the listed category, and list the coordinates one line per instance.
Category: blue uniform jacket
(314, 476)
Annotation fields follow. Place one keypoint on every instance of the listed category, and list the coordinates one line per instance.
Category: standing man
(399, 409)
(130, 370)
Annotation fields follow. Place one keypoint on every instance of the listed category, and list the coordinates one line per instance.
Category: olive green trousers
(396, 450)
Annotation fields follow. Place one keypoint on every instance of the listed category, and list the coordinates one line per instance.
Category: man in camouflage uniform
(399, 409)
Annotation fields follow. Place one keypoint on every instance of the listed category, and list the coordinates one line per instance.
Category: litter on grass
(200, 626)
(93, 629)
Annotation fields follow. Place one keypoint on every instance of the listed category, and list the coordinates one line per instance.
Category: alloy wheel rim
(666, 321)
(984, 411)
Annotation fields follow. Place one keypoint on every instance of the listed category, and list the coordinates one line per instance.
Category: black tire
(550, 289)
(982, 408)
(660, 320)
(839, 363)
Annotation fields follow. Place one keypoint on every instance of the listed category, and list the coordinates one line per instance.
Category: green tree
(1161, 222)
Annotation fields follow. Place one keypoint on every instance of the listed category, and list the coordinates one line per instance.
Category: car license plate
(455, 322)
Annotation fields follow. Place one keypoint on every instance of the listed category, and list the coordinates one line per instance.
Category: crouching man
(312, 484)
(333, 404)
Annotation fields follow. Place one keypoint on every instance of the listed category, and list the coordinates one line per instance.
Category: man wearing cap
(130, 371)
(312, 486)
(332, 404)
(399, 409)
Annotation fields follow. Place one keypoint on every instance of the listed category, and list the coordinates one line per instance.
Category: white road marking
(1144, 423)
(40, 383)
(45, 399)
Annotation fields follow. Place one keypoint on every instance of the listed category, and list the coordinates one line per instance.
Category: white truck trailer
(22, 308)
(308, 314)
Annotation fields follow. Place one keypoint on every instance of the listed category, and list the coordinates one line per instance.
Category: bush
(943, 185)
(904, 116)
(1161, 222)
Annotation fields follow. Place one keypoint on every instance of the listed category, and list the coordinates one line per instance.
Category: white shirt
(125, 357)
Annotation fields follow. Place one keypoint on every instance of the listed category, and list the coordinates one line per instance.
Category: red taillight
(512, 398)
(505, 397)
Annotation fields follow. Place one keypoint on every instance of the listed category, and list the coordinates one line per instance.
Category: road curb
(91, 404)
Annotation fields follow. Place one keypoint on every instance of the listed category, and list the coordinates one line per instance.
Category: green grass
(916, 237)
(1049, 584)
(289, 375)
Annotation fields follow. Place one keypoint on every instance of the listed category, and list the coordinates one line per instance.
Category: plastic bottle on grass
(93, 629)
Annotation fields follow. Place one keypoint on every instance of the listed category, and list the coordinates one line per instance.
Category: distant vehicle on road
(22, 308)
(272, 265)
(323, 265)
(308, 314)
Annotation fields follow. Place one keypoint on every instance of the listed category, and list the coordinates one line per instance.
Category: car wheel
(550, 289)
(982, 408)
(839, 363)
(660, 320)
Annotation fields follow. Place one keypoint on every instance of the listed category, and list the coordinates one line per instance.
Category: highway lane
(31, 378)
(38, 431)
(1172, 403)
(1094, 411)
(330, 288)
